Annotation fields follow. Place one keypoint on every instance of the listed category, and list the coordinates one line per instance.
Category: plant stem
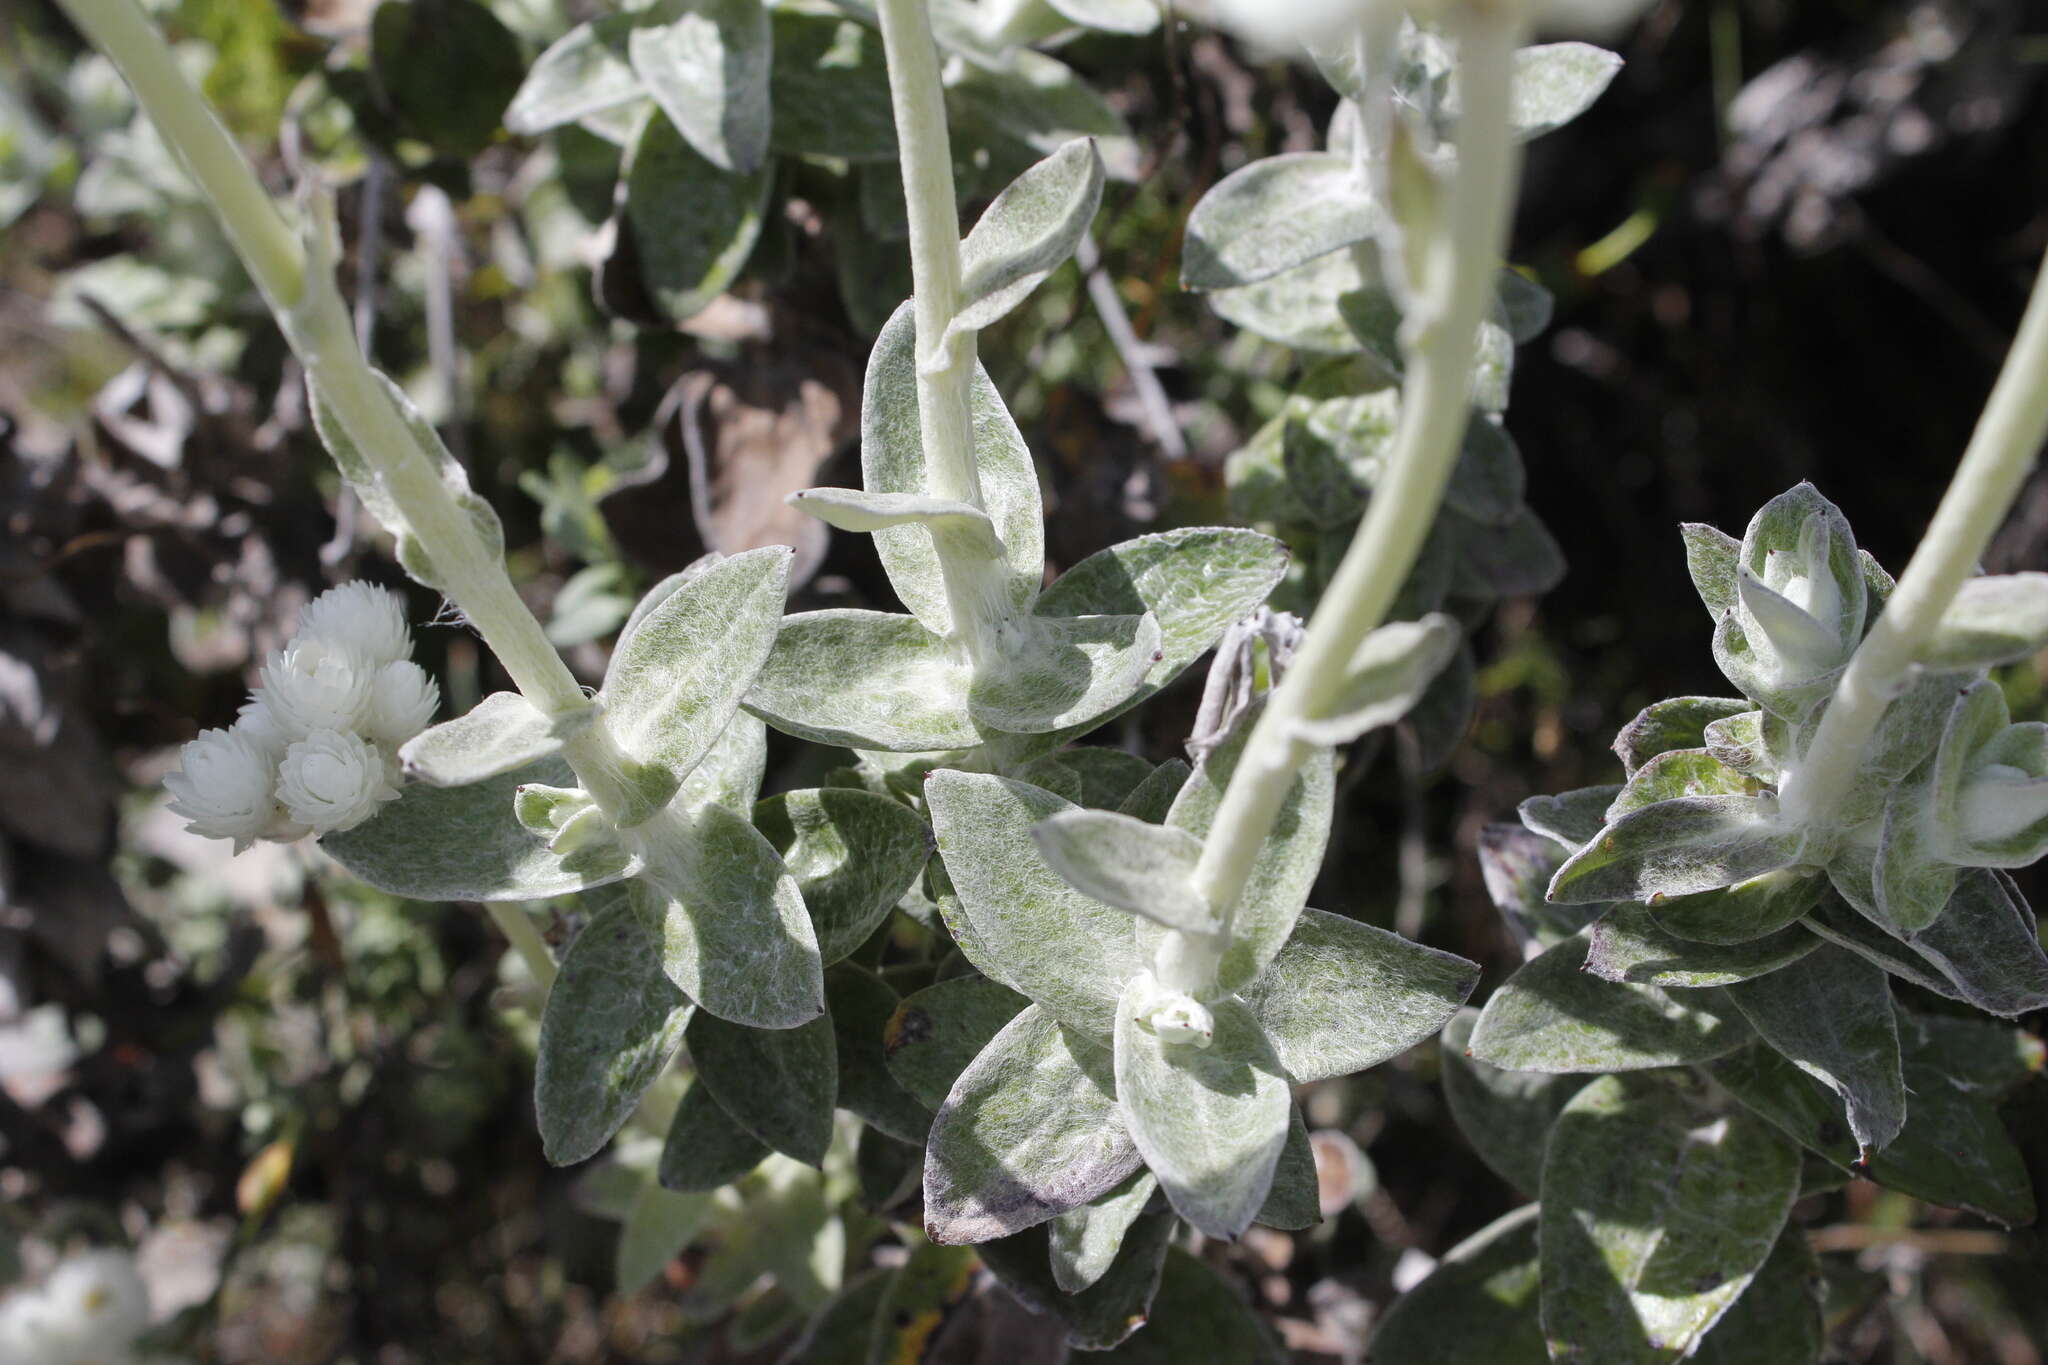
(1441, 341)
(316, 322)
(2001, 454)
(517, 926)
(945, 371)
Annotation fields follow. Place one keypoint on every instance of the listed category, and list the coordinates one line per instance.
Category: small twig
(1932, 1241)
(1109, 306)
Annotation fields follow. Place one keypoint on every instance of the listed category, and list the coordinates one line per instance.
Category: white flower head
(259, 723)
(361, 619)
(90, 1309)
(333, 780)
(403, 700)
(312, 685)
(224, 786)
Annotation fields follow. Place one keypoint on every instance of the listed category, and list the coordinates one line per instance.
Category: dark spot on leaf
(909, 1024)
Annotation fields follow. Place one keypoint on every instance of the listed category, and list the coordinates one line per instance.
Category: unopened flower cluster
(88, 1311)
(315, 749)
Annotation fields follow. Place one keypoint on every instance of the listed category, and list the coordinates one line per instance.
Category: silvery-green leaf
(1386, 676)
(1275, 214)
(1083, 1242)
(1517, 864)
(674, 683)
(1479, 1304)
(1830, 1015)
(659, 1224)
(1987, 946)
(1120, 860)
(1056, 777)
(1953, 1151)
(1833, 919)
(1679, 772)
(1298, 307)
(1108, 776)
(1777, 1321)
(1056, 673)
(1284, 869)
(1519, 558)
(1343, 995)
(853, 855)
(1067, 951)
(611, 1023)
(778, 1084)
(1030, 229)
(731, 772)
(1972, 1056)
(1911, 880)
(1210, 1121)
(892, 460)
(1030, 1130)
(851, 509)
(1294, 1200)
(1572, 819)
(936, 1032)
(862, 1006)
(735, 935)
(1199, 1314)
(1505, 1115)
(1489, 478)
(1797, 637)
(584, 72)
(705, 1148)
(1112, 16)
(1658, 1211)
(1712, 557)
(370, 485)
(865, 680)
(1991, 621)
(1552, 1016)
(1195, 581)
(1039, 102)
(708, 70)
(1630, 944)
(1678, 847)
(1760, 674)
(1554, 83)
(1154, 799)
(830, 88)
(502, 732)
(465, 844)
(1752, 909)
(618, 124)
(1909, 731)
(1738, 741)
(1677, 723)
(692, 225)
(1108, 1311)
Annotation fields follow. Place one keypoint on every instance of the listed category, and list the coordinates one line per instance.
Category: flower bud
(361, 619)
(311, 685)
(333, 780)
(224, 786)
(403, 700)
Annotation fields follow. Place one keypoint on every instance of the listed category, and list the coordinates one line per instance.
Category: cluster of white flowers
(88, 1311)
(315, 749)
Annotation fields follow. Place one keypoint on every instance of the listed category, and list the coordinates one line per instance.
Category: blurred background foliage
(1788, 244)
